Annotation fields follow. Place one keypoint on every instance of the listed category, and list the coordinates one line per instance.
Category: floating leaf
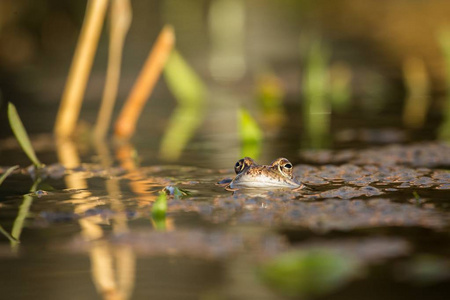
(7, 173)
(21, 134)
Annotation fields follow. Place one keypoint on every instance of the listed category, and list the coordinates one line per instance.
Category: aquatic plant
(307, 273)
(80, 69)
(190, 93)
(159, 211)
(21, 135)
(146, 81)
(7, 173)
(8, 236)
(269, 95)
(121, 17)
(340, 92)
(250, 133)
(24, 210)
(316, 106)
(326, 89)
(444, 128)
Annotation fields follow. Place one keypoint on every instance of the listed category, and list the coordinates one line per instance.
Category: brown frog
(251, 175)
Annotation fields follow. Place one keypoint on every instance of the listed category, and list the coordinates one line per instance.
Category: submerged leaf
(7, 173)
(311, 272)
(21, 134)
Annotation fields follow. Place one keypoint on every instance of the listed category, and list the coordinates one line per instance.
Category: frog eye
(239, 166)
(287, 166)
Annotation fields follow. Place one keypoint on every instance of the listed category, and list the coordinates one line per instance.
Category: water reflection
(21, 216)
(112, 269)
(224, 238)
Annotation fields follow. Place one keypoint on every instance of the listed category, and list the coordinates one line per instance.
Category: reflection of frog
(251, 175)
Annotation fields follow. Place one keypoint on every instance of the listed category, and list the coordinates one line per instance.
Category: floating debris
(428, 155)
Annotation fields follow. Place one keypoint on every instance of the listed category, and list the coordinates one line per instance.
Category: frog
(278, 174)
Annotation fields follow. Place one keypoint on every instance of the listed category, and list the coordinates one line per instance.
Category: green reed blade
(21, 134)
(248, 127)
(159, 211)
(159, 208)
(190, 93)
(444, 41)
(183, 82)
(7, 173)
(250, 133)
(8, 236)
(22, 215)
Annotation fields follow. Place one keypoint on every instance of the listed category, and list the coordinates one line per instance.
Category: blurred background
(252, 78)
(312, 74)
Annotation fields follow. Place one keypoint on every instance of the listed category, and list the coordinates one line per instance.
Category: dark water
(372, 223)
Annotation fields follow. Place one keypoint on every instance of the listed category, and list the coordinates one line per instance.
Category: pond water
(356, 103)
(371, 223)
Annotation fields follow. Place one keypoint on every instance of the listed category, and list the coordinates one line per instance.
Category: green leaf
(21, 134)
(251, 135)
(313, 272)
(23, 213)
(8, 236)
(190, 93)
(183, 82)
(159, 208)
(7, 173)
(248, 128)
(159, 211)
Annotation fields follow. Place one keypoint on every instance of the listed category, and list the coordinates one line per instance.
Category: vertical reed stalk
(143, 87)
(81, 67)
(121, 17)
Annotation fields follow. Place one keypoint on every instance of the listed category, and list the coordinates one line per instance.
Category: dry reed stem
(80, 69)
(121, 17)
(142, 89)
